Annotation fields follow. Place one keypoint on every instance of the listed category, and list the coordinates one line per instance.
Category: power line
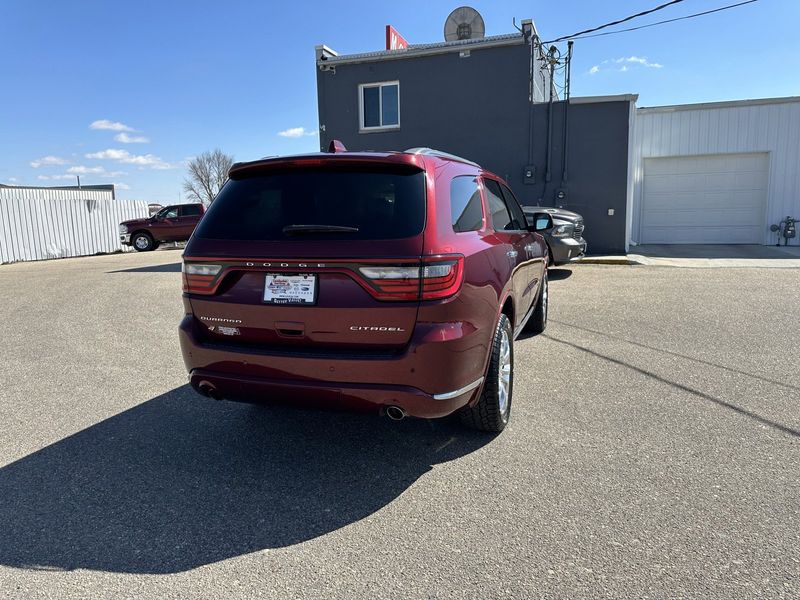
(637, 15)
(700, 14)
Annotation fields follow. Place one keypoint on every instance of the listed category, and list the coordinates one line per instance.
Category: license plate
(280, 288)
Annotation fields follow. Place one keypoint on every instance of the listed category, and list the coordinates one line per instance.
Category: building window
(379, 105)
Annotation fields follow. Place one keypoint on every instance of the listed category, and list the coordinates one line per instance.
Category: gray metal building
(716, 173)
(487, 99)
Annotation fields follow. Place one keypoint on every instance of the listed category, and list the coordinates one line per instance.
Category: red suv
(392, 281)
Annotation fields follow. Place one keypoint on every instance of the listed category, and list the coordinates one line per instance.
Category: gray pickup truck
(565, 238)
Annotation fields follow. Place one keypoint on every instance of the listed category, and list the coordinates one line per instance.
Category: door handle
(512, 253)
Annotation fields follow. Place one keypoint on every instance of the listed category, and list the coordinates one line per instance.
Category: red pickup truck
(171, 224)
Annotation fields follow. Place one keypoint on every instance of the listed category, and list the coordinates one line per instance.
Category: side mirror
(540, 221)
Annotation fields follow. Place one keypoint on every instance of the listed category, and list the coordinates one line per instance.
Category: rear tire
(143, 242)
(493, 409)
(538, 321)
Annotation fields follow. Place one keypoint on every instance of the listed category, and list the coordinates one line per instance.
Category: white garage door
(716, 199)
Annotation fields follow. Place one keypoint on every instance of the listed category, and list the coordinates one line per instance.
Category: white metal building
(38, 223)
(715, 173)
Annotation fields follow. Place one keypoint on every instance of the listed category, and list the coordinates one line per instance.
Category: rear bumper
(565, 250)
(346, 396)
(434, 377)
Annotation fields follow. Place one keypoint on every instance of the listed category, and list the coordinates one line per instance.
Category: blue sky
(127, 91)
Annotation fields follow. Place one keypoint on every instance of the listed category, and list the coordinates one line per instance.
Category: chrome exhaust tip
(395, 413)
(209, 391)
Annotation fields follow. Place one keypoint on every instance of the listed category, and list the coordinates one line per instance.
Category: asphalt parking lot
(654, 452)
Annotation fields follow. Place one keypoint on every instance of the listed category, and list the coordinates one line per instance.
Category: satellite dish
(464, 23)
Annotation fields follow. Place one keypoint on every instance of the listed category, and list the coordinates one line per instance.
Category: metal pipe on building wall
(531, 100)
(565, 145)
(547, 176)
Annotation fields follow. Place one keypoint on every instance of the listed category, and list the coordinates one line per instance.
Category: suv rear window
(381, 205)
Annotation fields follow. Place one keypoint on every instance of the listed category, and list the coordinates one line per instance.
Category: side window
(501, 221)
(517, 215)
(465, 204)
(169, 213)
(192, 210)
(379, 105)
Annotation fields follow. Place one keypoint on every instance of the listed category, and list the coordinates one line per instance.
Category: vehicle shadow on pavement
(181, 481)
(167, 268)
(556, 274)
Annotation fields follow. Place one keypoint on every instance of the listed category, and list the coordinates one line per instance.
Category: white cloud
(49, 177)
(12, 179)
(639, 60)
(81, 170)
(131, 139)
(147, 160)
(624, 64)
(110, 154)
(123, 156)
(112, 125)
(121, 186)
(47, 161)
(295, 132)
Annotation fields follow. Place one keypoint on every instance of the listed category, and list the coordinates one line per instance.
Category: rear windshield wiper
(292, 229)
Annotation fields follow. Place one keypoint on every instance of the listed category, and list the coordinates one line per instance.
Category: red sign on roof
(395, 41)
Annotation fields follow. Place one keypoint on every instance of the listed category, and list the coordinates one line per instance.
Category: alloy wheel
(504, 373)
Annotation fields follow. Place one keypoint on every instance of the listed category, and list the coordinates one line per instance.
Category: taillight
(435, 278)
(200, 278)
(442, 279)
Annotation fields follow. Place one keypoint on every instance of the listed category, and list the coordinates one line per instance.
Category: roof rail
(440, 154)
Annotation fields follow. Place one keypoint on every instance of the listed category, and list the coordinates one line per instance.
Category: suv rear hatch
(311, 255)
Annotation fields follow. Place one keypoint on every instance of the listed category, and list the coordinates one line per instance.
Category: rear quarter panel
(474, 311)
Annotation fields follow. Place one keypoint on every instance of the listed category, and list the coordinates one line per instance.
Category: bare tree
(207, 173)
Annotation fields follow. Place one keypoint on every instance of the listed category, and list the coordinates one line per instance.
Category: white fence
(42, 223)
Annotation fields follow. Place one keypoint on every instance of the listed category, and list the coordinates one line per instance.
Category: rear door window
(371, 204)
(517, 216)
(465, 204)
(501, 220)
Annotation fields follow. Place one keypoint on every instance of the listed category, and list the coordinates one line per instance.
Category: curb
(609, 260)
